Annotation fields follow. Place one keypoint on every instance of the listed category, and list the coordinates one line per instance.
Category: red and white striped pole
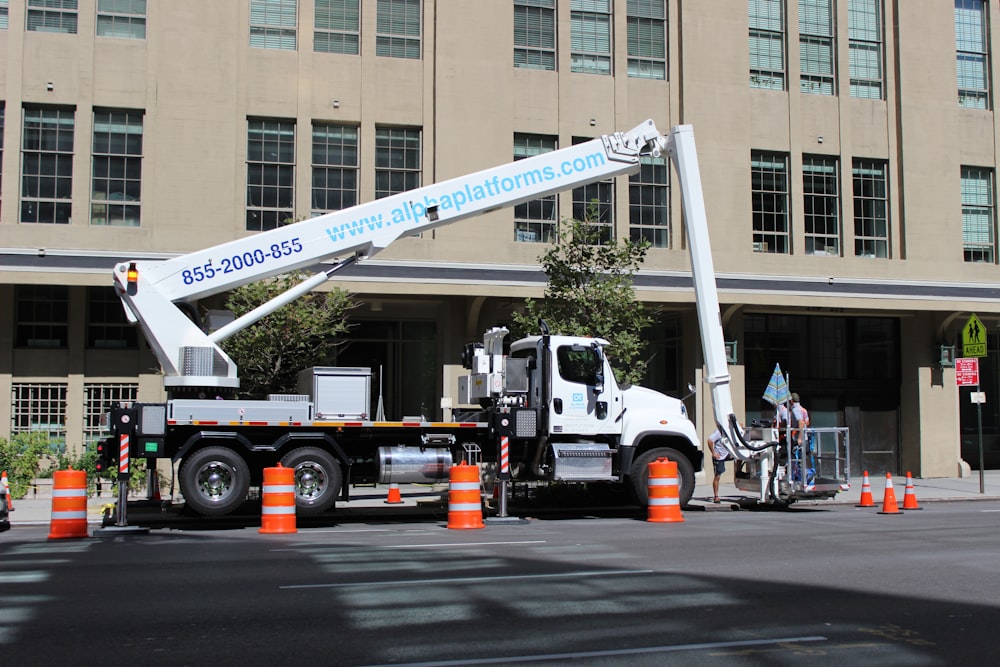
(124, 472)
(504, 475)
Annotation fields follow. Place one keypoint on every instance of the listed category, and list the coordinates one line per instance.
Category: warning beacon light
(131, 278)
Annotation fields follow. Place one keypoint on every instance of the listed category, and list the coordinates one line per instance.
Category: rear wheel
(214, 481)
(640, 474)
(317, 479)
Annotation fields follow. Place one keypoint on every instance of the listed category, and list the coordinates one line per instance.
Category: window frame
(591, 39)
(871, 207)
(395, 160)
(348, 33)
(55, 16)
(126, 164)
(647, 39)
(972, 49)
(764, 30)
(535, 35)
(34, 151)
(270, 183)
(866, 31)
(274, 24)
(4, 15)
(771, 225)
(346, 168)
(397, 35)
(978, 214)
(41, 316)
(649, 203)
(119, 20)
(817, 42)
(820, 205)
(33, 402)
(536, 221)
(597, 197)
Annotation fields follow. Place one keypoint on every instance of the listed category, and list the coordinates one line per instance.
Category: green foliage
(590, 293)
(303, 333)
(24, 456)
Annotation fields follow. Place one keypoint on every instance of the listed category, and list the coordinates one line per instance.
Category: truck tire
(640, 474)
(318, 479)
(214, 481)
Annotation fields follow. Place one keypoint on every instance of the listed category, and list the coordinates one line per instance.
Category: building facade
(848, 150)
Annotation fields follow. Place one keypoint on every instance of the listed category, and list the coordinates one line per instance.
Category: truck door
(582, 395)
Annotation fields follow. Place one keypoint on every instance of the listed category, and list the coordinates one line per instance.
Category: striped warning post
(69, 504)
(465, 502)
(277, 511)
(664, 492)
(866, 493)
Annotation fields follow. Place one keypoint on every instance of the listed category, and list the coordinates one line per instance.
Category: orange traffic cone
(6, 491)
(866, 493)
(465, 504)
(663, 492)
(889, 505)
(395, 497)
(909, 497)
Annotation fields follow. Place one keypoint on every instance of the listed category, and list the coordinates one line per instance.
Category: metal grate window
(535, 221)
(107, 327)
(337, 27)
(590, 36)
(47, 165)
(273, 23)
(42, 315)
(821, 204)
(871, 209)
(52, 16)
(334, 167)
(594, 204)
(99, 398)
(767, 43)
(978, 215)
(535, 34)
(38, 407)
(117, 174)
(817, 47)
(647, 39)
(769, 189)
(121, 18)
(648, 203)
(397, 160)
(972, 57)
(864, 30)
(270, 173)
(397, 28)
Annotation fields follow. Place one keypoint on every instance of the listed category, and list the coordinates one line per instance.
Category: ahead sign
(973, 338)
(966, 371)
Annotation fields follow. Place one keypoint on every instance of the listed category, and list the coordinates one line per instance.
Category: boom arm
(151, 291)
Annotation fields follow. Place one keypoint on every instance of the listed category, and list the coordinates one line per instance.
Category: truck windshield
(580, 364)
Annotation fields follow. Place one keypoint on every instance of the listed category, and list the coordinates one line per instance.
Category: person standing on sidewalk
(719, 456)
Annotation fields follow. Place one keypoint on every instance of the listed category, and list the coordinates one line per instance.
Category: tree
(590, 293)
(270, 353)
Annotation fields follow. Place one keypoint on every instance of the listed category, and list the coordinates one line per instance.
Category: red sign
(966, 371)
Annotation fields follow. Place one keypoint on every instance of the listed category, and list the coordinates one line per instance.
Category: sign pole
(979, 416)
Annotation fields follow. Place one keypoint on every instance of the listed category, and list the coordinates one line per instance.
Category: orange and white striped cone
(465, 502)
(663, 492)
(6, 491)
(395, 497)
(69, 504)
(910, 496)
(866, 493)
(889, 505)
(277, 493)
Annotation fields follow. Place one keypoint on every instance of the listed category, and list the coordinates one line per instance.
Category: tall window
(821, 204)
(52, 16)
(270, 173)
(334, 167)
(648, 203)
(978, 217)
(864, 31)
(41, 315)
(535, 221)
(121, 18)
(535, 34)
(3, 107)
(397, 28)
(337, 26)
(397, 160)
(4, 18)
(817, 52)
(970, 45)
(871, 209)
(594, 204)
(98, 399)
(590, 36)
(273, 23)
(117, 173)
(38, 407)
(769, 189)
(647, 39)
(107, 327)
(767, 43)
(47, 165)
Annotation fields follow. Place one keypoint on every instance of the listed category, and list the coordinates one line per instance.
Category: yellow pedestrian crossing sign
(974, 338)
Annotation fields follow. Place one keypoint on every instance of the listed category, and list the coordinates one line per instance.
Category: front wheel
(317, 479)
(640, 474)
(214, 481)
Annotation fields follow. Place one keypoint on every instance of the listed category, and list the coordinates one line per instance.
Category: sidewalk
(37, 511)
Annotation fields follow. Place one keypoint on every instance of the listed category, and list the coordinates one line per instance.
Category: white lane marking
(610, 653)
(471, 580)
(458, 544)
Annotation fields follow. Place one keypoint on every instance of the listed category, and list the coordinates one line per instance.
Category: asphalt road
(825, 586)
